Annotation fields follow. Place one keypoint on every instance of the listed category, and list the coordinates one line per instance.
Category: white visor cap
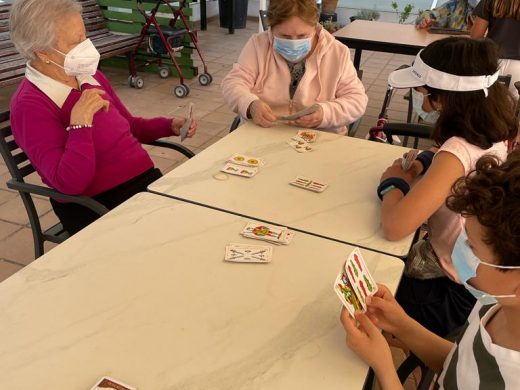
(420, 74)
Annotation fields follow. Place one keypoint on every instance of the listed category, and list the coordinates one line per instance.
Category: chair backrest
(15, 159)
(263, 19)
(95, 23)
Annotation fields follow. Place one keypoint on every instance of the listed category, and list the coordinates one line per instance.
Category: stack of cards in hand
(301, 142)
(242, 165)
(273, 234)
(306, 111)
(186, 126)
(308, 184)
(355, 283)
(240, 253)
(406, 162)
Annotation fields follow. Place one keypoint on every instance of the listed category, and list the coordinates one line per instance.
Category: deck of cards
(186, 126)
(354, 283)
(308, 184)
(406, 162)
(274, 234)
(240, 253)
(110, 383)
(306, 111)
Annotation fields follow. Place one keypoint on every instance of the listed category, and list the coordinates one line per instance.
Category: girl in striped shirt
(486, 355)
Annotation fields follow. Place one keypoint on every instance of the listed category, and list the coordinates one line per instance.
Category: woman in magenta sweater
(67, 118)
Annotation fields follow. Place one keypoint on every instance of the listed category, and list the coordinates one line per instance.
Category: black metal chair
(20, 167)
(263, 19)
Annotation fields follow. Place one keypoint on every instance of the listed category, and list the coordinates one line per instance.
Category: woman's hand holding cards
(261, 114)
(311, 121)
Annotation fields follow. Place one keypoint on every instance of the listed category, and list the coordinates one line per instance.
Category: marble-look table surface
(347, 211)
(143, 295)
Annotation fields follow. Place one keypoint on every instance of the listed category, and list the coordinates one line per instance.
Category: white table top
(401, 34)
(143, 295)
(348, 210)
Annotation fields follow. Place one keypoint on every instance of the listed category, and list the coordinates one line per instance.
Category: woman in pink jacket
(293, 65)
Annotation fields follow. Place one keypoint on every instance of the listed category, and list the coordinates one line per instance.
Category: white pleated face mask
(81, 60)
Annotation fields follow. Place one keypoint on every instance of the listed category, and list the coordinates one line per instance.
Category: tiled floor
(220, 50)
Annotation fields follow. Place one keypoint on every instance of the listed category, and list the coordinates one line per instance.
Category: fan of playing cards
(354, 283)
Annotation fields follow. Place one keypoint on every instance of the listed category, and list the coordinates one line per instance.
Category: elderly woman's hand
(177, 123)
(87, 105)
(262, 114)
(311, 121)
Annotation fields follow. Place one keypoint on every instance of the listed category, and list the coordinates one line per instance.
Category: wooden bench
(12, 64)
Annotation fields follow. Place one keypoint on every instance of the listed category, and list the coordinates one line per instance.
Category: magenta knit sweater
(85, 161)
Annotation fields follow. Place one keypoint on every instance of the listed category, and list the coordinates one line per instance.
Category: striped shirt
(475, 363)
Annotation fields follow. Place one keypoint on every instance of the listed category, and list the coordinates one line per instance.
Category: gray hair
(32, 24)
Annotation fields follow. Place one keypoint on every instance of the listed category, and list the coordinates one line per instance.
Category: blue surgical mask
(417, 103)
(466, 264)
(293, 50)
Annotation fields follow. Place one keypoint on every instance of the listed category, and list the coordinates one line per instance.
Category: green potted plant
(404, 14)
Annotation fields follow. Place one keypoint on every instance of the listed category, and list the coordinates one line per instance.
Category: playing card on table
(308, 184)
(406, 162)
(239, 170)
(110, 383)
(261, 231)
(309, 136)
(300, 146)
(186, 126)
(247, 161)
(240, 253)
(360, 284)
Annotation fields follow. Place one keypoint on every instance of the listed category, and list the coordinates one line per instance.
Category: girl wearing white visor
(486, 353)
(457, 78)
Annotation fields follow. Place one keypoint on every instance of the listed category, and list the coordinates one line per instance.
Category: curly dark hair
(491, 193)
(480, 120)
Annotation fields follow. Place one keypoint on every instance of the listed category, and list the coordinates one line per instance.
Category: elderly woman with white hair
(67, 118)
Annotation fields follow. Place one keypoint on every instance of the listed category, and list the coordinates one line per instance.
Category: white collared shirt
(56, 91)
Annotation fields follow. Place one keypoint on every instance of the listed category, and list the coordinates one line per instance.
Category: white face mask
(81, 60)
(417, 103)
